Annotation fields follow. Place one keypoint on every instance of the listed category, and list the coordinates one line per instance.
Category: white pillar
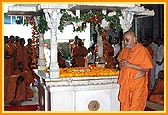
(41, 60)
(52, 18)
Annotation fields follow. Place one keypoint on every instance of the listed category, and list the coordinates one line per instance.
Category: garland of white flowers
(94, 17)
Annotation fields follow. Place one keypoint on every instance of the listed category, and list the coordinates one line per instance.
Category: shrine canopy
(129, 12)
(37, 9)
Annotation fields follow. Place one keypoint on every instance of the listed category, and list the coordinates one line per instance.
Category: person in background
(154, 46)
(159, 57)
(22, 56)
(29, 52)
(8, 58)
(14, 90)
(27, 79)
(157, 93)
(14, 50)
(73, 63)
(17, 40)
(110, 53)
(116, 46)
(91, 55)
(73, 44)
(134, 63)
(149, 48)
(61, 60)
(79, 53)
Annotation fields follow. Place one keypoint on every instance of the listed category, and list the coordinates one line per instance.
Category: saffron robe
(133, 92)
(157, 94)
(78, 54)
(12, 92)
(8, 61)
(23, 57)
(27, 80)
(109, 58)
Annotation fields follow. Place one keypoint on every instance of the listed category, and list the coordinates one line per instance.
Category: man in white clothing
(159, 57)
(152, 74)
(116, 46)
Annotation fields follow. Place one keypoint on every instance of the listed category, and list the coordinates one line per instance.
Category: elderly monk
(134, 62)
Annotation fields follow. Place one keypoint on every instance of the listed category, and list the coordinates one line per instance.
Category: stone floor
(30, 101)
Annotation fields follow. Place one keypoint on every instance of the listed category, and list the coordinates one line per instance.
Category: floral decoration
(93, 17)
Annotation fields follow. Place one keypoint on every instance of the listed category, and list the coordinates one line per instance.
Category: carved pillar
(41, 60)
(52, 18)
(126, 20)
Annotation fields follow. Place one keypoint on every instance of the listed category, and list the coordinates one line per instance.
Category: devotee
(61, 60)
(29, 52)
(116, 46)
(134, 62)
(22, 56)
(153, 45)
(159, 57)
(110, 53)
(149, 48)
(157, 93)
(14, 49)
(73, 44)
(91, 55)
(15, 90)
(79, 53)
(8, 58)
(73, 63)
(17, 40)
(27, 79)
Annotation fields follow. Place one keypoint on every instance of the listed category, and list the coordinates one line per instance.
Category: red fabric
(21, 108)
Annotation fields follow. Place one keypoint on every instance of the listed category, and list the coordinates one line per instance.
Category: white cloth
(152, 74)
(116, 49)
(159, 57)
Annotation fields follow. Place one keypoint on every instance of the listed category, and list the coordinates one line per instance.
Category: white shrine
(76, 94)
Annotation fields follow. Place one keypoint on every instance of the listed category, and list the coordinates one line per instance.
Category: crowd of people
(18, 74)
(141, 67)
(83, 57)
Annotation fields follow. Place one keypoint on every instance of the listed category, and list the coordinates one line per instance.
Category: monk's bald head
(130, 34)
(129, 39)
